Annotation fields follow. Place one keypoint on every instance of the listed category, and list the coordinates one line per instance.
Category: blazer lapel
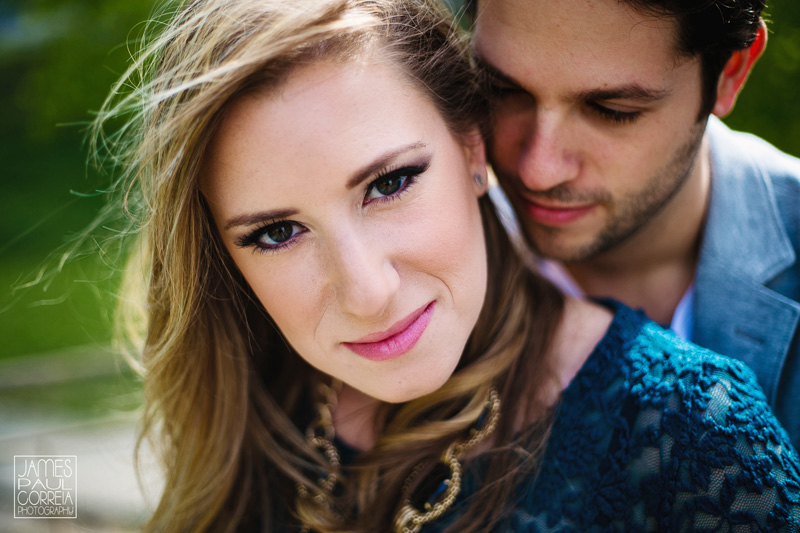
(744, 246)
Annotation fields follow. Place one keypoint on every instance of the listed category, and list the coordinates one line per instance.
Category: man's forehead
(588, 22)
(529, 37)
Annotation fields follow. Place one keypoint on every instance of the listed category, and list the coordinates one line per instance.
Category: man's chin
(560, 247)
(561, 254)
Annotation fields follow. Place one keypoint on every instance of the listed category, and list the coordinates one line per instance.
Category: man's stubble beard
(634, 212)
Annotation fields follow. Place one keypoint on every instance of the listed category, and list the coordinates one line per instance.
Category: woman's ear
(736, 70)
(475, 152)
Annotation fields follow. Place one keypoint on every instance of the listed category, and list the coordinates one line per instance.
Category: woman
(329, 343)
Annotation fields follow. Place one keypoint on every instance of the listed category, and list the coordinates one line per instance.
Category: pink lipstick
(397, 340)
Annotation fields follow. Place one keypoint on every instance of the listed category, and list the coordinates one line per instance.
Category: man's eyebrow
(252, 219)
(633, 91)
(493, 73)
(378, 164)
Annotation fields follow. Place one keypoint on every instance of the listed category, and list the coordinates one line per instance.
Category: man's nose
(547, 154)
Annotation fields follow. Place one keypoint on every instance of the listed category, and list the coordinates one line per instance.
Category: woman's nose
(364, 277)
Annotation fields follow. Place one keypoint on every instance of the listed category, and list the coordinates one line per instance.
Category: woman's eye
(386, 186)
(278, 233)
(271, 237)
(393, 183)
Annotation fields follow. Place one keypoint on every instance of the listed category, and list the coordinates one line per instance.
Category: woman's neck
(583, 325)
(354, 418)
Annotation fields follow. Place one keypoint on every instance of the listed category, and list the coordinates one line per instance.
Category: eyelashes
(391, 184)
(271, 235)
(276, 235)
(506, 95)
(612, 115)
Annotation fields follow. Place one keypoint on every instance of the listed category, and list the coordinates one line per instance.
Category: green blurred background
(58, 59)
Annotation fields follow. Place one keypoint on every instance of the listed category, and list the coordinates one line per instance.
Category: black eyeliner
(411, 172)
(252, 238)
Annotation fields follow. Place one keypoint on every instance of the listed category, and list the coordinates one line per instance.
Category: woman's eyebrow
(384, 160)
(251, 219)
(256, 218)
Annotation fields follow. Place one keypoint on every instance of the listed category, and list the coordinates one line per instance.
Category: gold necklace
(320, 434)
(416, 510)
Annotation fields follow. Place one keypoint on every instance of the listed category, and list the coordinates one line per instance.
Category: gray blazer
(747, 285)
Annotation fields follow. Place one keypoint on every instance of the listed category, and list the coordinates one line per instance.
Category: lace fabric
(657, 434)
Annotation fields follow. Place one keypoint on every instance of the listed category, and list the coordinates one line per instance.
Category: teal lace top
(656, 434)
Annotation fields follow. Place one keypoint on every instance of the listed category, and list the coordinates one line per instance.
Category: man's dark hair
(712, 29)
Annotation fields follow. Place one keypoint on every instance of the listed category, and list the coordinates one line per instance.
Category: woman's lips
(397, 340)
(554, 215)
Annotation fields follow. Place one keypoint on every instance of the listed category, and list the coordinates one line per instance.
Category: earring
(478, 179)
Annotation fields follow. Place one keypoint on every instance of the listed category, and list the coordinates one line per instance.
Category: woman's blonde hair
(223, 390)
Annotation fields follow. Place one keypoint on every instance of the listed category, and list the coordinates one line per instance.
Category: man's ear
(736, 70)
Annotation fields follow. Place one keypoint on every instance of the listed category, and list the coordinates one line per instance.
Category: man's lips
(554, 215)
(396, 340)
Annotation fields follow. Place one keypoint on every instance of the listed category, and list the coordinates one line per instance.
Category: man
(603, 143)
